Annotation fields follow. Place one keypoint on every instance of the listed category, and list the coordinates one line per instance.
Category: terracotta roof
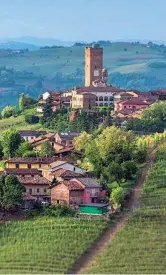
(73, 185)
(134, 102)
(34, 180)
(99, 89)
(15, 171)
(48, 135)
(65, 173)
(46, 160)
(68, 149)
(39, 141)
(88, 182)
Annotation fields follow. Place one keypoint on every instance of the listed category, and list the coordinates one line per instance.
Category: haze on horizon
(89, 20)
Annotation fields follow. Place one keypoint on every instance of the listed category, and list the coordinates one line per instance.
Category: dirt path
(86, 259)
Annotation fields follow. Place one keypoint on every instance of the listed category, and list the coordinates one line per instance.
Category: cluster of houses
(97, 93)
(56, 180)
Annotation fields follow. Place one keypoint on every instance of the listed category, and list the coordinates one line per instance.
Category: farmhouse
(77, 191)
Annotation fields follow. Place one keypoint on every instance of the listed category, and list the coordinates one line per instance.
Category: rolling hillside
(130, 65)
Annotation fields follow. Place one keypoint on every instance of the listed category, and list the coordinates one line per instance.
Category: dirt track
(86, 259)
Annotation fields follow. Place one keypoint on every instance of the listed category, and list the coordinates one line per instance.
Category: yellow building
(30, 163)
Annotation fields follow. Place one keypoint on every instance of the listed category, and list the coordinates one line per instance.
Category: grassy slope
(66, 60)
(140, 248)
(45, 245)
(19, 122)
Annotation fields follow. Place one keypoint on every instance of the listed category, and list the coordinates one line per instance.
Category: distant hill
(37, 41)
(15, 45)
(130, 66)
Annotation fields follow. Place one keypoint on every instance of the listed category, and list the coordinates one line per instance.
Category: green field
(45, 245)
(129, 66)
(140, 248)
(19, 122)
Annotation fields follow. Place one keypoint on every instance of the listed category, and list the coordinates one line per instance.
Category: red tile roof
(16, 171)
(65, 173)
(46, 160)
(73, 185)
(99, 89)
(33, 180)
(134, 102)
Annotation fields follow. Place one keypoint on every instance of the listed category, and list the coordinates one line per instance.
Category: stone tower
(93, 64)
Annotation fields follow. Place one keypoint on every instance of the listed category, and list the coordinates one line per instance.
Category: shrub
(31, 119)
(8, 111)
(118, 195)
(57, 211)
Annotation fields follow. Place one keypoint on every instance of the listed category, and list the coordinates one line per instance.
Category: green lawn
(140, 248)
(45, 245)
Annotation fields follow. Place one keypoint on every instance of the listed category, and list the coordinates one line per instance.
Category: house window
(100, 98)
(30, 191)
(17, 165)
(105, 104)
(101, 104)
(38, 190)
(74, 168)
(39, 165)
(29, 166)
(106, 98)
(45, 190)
(57, 201)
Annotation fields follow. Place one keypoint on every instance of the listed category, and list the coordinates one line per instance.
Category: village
(58, 179)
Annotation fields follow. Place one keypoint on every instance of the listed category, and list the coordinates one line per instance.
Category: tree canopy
(110, 155)
(153, 119)
(47, 150)
(10, 141)
(11, 192)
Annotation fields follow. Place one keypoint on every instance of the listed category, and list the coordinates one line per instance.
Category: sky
(84, 20)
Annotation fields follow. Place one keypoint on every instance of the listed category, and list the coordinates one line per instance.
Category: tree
(129, 169)
(109, 153)
(80, 141)
(1, 151)
(47, 150)
(117, 195)
(10, 141)
(23, 149)
(25, 101)
(8, 111)
(11, 191)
